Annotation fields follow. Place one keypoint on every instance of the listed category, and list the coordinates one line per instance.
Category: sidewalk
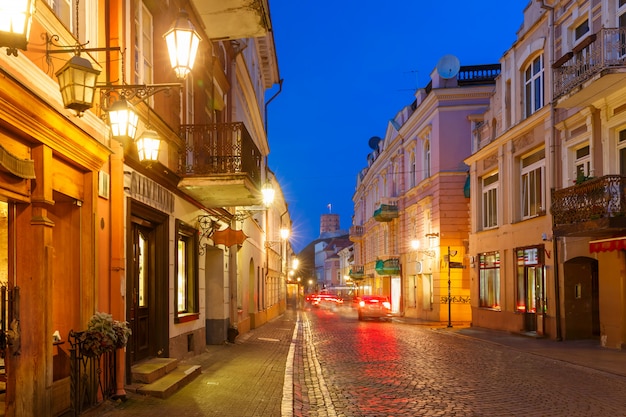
(586, 353)
(241, 379)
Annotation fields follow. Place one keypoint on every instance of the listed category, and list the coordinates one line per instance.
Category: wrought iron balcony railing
(603, 197)
(387, 210)
(357, 272)
(388, 266)
(220, 148)
(602, 50)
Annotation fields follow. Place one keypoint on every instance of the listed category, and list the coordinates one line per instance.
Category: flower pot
(232, 334)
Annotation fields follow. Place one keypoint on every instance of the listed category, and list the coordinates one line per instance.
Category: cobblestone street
(325, 363)
(389, 369)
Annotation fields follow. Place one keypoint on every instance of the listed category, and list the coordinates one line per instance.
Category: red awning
(607, 245)
(228, 237)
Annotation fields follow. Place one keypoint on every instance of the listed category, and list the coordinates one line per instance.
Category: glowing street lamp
(182, 44)
(148, 146)
(268, 194)
(15, 20)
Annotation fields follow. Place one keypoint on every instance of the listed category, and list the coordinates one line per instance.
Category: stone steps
(161, 377)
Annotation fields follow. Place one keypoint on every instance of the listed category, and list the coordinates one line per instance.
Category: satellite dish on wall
(373, 142)
(448, 66)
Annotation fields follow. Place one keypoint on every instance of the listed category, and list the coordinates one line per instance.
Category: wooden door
(141, 284)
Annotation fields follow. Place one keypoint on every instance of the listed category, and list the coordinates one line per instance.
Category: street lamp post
(449, 295)
(450, 254)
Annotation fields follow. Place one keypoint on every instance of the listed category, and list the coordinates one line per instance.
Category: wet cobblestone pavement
(325, 363)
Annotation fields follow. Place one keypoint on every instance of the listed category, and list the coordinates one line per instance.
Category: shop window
(186, 291)
(530, 294)
(427, 292)
(489, 280)
(621, 152)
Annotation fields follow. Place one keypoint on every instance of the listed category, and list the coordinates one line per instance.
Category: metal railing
(478, 74)
(89, 375)
(593, 199)
(605, 49)
(219, 148)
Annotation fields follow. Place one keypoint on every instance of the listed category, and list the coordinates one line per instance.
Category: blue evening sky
(350, 66)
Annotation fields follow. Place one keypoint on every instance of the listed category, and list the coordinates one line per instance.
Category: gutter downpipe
(280, 89)
(555, 171)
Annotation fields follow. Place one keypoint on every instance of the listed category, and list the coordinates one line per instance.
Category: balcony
(386, 211)
(389, 266)
(357, 272)
(593, 69)
(356, 233)
(221, 166)
(596, 207)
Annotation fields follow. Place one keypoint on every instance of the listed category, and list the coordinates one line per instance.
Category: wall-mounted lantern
(148, 146)
(182, 44)
(77, 82)
(15, 20)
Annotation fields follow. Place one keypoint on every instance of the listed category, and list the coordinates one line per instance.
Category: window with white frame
(186, 285)
(621, 151)
(621, 24)
(490, 201)
(394, 180)
(64, 10)
(581, 30)
(532, 186)
(412, 170)
(426, 159)
(143, 45)
(582, 163)
(533, 86)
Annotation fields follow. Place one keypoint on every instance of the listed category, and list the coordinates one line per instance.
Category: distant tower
(329, 223)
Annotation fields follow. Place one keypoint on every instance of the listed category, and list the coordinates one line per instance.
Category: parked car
(374, 307)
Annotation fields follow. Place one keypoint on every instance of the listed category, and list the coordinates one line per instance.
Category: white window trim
(541, 166)
(533, 77)
(487, 189)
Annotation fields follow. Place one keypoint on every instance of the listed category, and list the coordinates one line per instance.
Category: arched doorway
(581, 299)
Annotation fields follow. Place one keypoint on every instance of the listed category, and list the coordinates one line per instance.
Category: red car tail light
(387, 304)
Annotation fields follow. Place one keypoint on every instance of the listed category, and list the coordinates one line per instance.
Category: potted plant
(103, 335)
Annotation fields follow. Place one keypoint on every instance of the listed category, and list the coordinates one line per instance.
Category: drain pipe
(555, 170)
(280, 89)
